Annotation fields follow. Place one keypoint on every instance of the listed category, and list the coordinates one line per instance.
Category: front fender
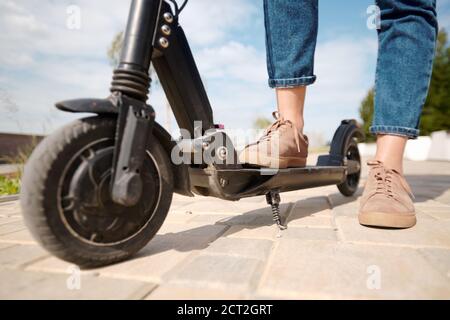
(99, 106)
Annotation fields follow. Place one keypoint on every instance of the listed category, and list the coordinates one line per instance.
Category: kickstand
(273, 199)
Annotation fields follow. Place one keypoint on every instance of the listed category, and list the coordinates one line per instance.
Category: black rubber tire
(39, 195)
(347, 189)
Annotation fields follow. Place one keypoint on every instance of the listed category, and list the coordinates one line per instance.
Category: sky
(43, 59)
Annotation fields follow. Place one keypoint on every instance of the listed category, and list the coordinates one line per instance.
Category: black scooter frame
(154, 34)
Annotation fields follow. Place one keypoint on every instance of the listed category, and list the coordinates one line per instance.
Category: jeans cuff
(292, 82)
(411, 133)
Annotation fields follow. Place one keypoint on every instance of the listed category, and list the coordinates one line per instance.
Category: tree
(114, 51)
(115, 48)
(114, 56)
(366, 114)
(9, 107)
(436, 111)
(261, 123)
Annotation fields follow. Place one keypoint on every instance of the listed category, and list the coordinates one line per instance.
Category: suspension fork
(129, 88)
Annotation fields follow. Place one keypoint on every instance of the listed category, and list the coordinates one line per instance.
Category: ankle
(299, 124)
(389, 164)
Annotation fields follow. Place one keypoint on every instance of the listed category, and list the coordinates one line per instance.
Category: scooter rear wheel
(349, 187)
(66, 199)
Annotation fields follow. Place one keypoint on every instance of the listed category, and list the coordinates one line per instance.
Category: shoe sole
(276, 163)
(387, 220)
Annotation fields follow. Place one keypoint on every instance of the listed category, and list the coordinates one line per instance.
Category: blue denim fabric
(407, 39)
(291, 34)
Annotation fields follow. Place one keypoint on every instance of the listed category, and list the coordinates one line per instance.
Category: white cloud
(208, 22)
(232, 60)
(43, 62)
(344, 69)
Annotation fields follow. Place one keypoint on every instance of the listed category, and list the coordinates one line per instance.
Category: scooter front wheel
(66, 201)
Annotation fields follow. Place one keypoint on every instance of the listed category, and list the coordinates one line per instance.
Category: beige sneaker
(386, 201)
(282, 146)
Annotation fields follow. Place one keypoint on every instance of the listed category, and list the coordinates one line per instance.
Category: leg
(407, 40)
(291, 35)
(406, 51)
(390, 150)
(291, 102)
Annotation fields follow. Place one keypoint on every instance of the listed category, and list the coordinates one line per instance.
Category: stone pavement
(213, 249)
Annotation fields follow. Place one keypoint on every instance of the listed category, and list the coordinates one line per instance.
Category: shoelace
(384, 180)
(278, 124)
(384, 183)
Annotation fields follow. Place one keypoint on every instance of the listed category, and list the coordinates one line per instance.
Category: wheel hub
(86, 198)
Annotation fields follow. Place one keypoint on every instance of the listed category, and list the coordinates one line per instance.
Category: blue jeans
(406, 37)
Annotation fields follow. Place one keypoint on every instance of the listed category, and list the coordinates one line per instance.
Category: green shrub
(9, 186)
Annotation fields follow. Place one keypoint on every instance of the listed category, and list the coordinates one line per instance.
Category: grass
(10, 185)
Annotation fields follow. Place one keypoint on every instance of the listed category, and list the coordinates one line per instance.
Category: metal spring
(132, 83)
(276, 216)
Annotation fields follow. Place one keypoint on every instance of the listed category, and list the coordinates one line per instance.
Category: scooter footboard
(234, 184)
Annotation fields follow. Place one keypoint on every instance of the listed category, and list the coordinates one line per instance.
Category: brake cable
(177, 8)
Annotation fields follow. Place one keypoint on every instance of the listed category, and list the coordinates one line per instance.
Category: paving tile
(327, 270)
(253, 200)
(217, 206)
(344, 206)
(444, 198)
(161, 256)
(179, 201)
(295, 220)
(173, 292)
(179, 217)
(438, 258)
(11, 227)
(215, 249)
(210, 206)
(218, 272)
(247, 248)
(311, 205)
(269, 232)
(427, 233)
(19, 255)
(7, 220)
(10, 209)
(314, 211)
(204, 230)
(440, 213)
(305, 233)
(259, 217)
(211, 218)
(19, 237)
(33, 285)
(6, 245)
(246, 207)
(52, 264)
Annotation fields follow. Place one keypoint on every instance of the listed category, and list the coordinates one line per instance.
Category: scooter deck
(248, 182)
(291, 179)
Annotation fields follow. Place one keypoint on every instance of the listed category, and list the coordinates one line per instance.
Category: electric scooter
(97, 191)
